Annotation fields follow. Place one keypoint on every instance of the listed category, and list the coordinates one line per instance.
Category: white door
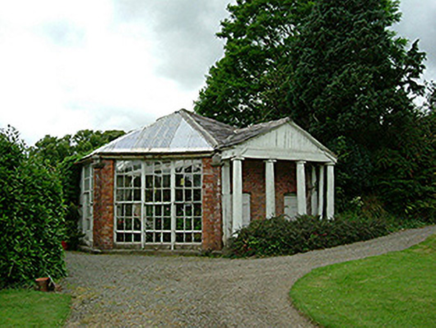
(291, 206)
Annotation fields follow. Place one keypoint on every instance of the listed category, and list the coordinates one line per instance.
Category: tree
(248, 84)
(351, 75)
(339, 71)
(353, 85)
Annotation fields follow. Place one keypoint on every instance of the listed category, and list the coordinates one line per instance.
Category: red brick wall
(103, 209)
(253, 174)
(285, 181)
(212, 222)
(253, 183)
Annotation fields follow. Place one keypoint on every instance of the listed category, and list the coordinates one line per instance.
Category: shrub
(279, 236)
(31, 215)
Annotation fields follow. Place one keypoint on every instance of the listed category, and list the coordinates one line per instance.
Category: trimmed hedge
(279, 236)
(31, 216)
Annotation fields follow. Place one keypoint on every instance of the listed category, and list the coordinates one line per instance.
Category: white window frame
(192, 231)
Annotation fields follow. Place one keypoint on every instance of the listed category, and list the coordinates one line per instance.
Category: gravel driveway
(176, 291)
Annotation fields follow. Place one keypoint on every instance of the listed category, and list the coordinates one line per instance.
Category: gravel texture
(187, 291)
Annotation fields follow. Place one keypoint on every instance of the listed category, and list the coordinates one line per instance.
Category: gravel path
(176, 291)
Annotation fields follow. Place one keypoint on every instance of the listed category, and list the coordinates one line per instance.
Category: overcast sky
(120, 64)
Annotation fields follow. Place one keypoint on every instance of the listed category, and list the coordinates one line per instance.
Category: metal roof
(172, 133)
(187, 132)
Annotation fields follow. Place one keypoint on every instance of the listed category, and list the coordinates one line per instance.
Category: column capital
(329, 164)
(301, 162)
(237, 158)
(270, 160)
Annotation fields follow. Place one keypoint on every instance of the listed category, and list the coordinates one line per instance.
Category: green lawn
(393, 290)
(28, 308)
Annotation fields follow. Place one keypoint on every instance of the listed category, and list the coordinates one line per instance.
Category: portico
(188, 181)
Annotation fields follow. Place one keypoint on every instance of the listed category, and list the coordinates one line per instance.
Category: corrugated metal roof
(187, 132)
(170, 133)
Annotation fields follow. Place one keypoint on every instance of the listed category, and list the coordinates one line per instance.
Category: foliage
(392, 290)
(31, 215)
(62, 154)
(28, 308)
(279, 236)
(248, 85)
(407, 172)
(360, 103)
(340, 72)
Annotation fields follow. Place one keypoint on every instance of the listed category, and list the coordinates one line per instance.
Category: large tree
(248, 85)
(336, 68)
(352, 86)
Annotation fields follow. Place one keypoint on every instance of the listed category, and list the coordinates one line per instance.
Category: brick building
(187, 181)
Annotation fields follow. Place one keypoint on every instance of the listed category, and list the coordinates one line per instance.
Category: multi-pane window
(188, 201)
(87, 198)
(159, 202)
(128, 201)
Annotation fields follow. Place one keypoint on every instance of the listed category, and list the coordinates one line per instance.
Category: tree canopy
(338, 70)
(248, 84)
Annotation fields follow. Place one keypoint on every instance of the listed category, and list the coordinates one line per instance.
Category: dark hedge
(279, 236)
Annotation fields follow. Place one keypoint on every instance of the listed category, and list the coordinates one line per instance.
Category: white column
(314, 193)
(321, 191)
(270, 194)
(330, 208)
(173, 203)
(237, 194)
(226, 202)
(301, 188)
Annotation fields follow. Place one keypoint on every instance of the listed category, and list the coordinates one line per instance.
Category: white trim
(270, 194)
(226, 202)
(301, 188)
(321, 191)
(237, 194)
(330, 209)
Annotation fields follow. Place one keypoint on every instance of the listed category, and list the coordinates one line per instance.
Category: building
(188, 181)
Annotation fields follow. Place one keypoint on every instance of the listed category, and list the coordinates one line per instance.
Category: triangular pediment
(286, 141)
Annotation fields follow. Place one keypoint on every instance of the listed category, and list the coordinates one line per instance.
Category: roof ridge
(187, 115)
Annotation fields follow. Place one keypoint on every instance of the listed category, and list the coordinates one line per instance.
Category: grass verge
(29, 308)
(391, 290)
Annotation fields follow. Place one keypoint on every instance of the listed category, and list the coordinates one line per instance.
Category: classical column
(237, 194)
(330, 208)
(301, 188)
(313, 192)
(226, 202)
(270, 194)
(321, 191)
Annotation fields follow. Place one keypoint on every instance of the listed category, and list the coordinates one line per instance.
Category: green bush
(31, 215)
(279, 236)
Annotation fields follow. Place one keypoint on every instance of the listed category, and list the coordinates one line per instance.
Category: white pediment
(285, 142)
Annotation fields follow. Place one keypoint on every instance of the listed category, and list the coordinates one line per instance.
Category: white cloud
(120, 64)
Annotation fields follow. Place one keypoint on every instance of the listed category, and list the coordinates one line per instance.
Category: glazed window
(159, 202)
(128, 186)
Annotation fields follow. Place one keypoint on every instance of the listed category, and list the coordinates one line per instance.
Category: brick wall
(253, 174)
(285, 181)
(212, 222)
(253, 183)
(103, 209)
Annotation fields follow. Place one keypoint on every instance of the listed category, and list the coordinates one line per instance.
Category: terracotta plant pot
(42, 284)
